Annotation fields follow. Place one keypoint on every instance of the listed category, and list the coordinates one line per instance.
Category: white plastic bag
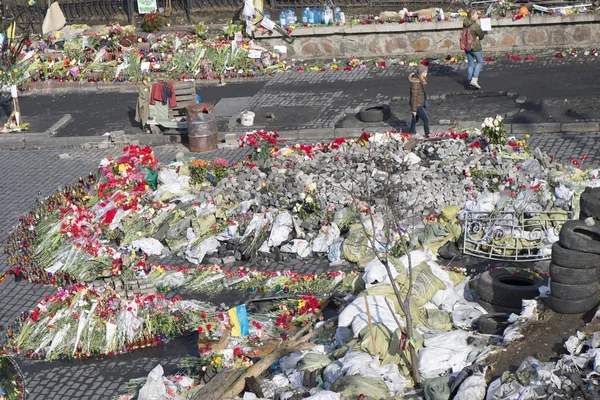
(282, 227)
(150, 246)
(335, 252)
(325, 238)
(209, 246)
(154, 388)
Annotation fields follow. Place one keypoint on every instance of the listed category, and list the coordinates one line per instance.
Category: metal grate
(510, 236)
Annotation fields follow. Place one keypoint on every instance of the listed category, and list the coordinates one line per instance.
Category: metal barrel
(202, 134)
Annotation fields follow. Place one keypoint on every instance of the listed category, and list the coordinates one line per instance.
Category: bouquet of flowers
(262, 143)
(493, 129)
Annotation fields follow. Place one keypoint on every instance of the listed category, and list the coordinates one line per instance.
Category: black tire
(580, 306)
(493, 324)
(493, 308)
(573, 276)
(375, 113)
(576, 235)
(573, 259)
(573, 292)
(504, 288)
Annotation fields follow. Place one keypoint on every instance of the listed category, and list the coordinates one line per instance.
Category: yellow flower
(528, 136)
(15, 70)
(301, 303)
(334, 66)
(218, 360)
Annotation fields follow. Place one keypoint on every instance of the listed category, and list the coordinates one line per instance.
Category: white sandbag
(324, 395)
(353, 363)
(327, 234)
(448, 351)
(463, 315)
(417, 257)
(298, 246)
(355, 314)
(282, 227)
(154, 388)
(209, 246)
(150, 246)
(472, 388)
(375, 273)
(54, 20)
(392, 378)
(333, 371)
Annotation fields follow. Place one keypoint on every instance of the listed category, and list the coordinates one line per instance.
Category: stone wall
(529, 33)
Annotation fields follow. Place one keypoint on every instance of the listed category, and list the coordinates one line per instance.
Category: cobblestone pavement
(28, 174)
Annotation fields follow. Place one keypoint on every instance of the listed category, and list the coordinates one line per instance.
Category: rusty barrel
(202, 127)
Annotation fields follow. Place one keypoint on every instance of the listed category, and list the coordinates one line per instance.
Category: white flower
(302, 196)
(104, 162)
(499, 118)
(309, 199)
(258, 150)
(496, 122)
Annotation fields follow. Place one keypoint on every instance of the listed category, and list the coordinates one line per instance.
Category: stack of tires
(502, 290)
(575, 266)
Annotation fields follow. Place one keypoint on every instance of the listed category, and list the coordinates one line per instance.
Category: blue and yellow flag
(238, 318)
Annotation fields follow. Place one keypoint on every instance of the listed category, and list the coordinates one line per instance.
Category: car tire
(579, 306)
(573, 276)
(573, 292)
(573, 259)
(576, 235)
(493, 308)
(493, 323)
(507, 289)
(375, 113)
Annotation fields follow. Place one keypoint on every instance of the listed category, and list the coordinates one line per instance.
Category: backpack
(467, 41)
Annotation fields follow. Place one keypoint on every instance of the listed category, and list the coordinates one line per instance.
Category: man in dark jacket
(476, 52)
(418, 98)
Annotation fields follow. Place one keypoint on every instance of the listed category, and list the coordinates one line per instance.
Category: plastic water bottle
(318, 16)
(267, 15)
(336, 15)
(327, 16)
(283, 19)
(311, 16)
(295, 16)
(322, 15)
(290, 18)
(305, 15)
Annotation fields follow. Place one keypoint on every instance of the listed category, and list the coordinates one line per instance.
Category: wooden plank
(216, 387)
(189, 97)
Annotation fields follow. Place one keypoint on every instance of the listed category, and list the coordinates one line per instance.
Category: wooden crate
(185, 93)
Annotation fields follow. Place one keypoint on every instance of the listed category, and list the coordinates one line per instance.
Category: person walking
(470, 41)
(418, 99)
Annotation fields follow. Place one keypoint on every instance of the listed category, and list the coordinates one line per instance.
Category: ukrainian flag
(238, 318)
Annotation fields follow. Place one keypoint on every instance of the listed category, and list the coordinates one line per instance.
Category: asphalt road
(560, 89)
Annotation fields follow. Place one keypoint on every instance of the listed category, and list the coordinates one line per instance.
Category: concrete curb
(45, 140)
